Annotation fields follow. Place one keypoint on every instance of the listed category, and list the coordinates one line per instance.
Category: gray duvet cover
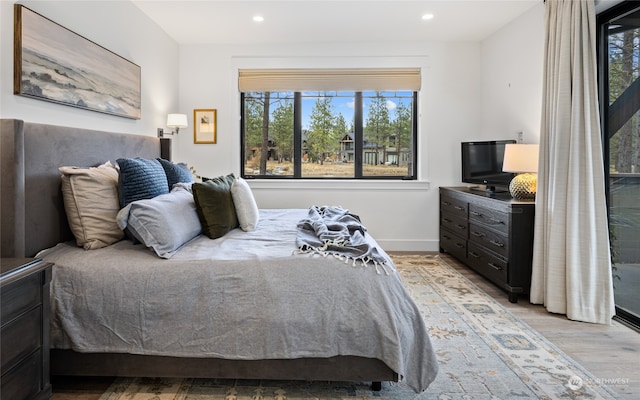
(247, 295)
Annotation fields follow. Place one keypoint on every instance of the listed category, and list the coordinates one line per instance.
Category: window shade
(357, 79)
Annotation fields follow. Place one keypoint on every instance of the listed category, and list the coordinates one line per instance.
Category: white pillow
(91, 202)
(245, 205)
(163, 223)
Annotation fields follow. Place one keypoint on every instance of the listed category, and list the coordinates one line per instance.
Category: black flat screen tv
(482, 164)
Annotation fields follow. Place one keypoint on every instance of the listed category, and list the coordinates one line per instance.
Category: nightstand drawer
(491, 240)
(493, 218)
(25, 380)
(20, 338)
(20, 296)
(24, 336)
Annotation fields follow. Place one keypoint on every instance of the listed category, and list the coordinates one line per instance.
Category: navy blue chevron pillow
(140, 179)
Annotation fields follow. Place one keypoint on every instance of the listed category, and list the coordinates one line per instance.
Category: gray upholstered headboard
(32, 211)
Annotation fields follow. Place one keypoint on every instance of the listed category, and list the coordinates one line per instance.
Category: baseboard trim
(409, 245)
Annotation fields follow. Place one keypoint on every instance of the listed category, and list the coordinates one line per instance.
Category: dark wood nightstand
(24, 292)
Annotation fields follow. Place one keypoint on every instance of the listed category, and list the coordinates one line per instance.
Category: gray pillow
(215, 206)
(163, 223)
(140, 179)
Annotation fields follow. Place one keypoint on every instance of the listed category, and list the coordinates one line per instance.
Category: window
(311, 132)
(619, 70)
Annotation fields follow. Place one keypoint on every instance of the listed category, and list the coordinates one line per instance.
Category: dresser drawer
(21, 337)
(25, 380)
(490, 239)
(455, 224)
(498, 220)
(453, 244)
(20, 296)
(453, 206)
(489, 265)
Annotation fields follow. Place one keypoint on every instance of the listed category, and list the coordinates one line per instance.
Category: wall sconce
(176, 121)
(523, 160)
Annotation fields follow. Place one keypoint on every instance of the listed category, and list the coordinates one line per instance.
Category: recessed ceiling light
(427, 17)
(258, 18)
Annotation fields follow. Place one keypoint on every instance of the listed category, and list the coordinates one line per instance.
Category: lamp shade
(177, 121)
(520, 157)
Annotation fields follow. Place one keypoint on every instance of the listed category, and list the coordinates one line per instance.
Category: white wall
(512, 66)
(118, 26)
(465, 95)
(486, 90)
(401, 215)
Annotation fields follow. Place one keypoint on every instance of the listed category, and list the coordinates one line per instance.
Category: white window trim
(239, 62)
(339, 184)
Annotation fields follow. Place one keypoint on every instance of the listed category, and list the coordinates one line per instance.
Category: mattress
(244, 296)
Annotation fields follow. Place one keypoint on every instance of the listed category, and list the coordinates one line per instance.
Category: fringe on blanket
(364, 261)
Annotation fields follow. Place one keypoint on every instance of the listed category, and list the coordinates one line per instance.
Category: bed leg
(376, 386)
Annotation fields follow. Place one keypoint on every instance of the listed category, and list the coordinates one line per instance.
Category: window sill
(337, 184)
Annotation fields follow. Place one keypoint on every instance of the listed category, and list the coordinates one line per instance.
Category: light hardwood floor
(610, 352)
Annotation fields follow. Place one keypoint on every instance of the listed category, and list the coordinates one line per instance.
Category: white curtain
(571, 262)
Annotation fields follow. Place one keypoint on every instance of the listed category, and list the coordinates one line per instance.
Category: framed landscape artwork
(204, 126)
(55, 64)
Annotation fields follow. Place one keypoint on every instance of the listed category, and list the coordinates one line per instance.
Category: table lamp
(523, 160)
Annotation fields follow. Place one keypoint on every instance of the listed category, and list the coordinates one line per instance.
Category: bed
(245, 305)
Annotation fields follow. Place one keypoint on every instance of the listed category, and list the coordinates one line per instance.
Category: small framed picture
(204, 126)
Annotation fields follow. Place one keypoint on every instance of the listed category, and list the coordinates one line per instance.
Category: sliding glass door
(619, 66)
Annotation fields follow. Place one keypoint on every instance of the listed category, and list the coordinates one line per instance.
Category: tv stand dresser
(491, 233)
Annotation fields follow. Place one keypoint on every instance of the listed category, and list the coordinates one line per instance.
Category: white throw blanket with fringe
(333, 230)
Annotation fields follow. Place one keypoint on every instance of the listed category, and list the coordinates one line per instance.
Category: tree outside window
(353, 135)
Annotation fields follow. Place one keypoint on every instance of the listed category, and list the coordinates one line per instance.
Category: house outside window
(335, 134)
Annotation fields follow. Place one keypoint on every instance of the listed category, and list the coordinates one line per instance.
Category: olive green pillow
(214, 205)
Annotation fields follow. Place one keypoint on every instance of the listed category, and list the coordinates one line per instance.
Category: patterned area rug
(484, 352)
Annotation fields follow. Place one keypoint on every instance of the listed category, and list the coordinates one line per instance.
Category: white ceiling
(330, 21)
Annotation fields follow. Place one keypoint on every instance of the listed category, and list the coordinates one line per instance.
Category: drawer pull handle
(447, 220)
(496, 243)
(446, 203)
(461, 226)
(487, 219)
(492, 265)
(478, 234)
(459, 208)
(474, 254)
(459, 245)
(446, 237)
